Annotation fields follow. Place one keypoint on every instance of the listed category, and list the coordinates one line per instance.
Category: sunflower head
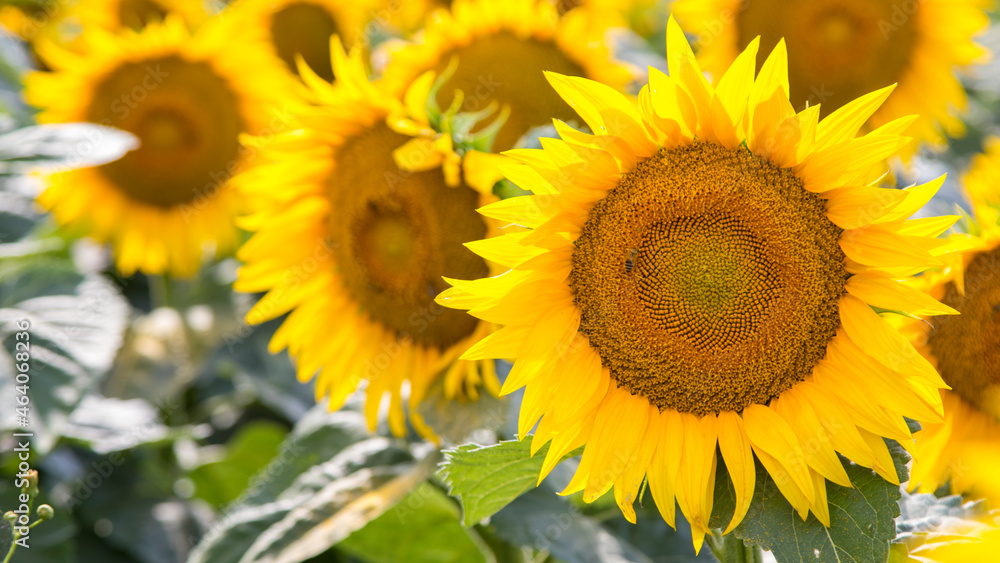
(135, 14)
(501, 49)
(705, 271)
(187, 98)
(367, 207)
(840, 50)
(305, 28)
(962, 449)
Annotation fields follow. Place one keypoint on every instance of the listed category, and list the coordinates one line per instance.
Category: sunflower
(966, 349)
(953, 541)
(361, 224)
(61, 22)
(31, 21)
(305, 27)
(187, 98)
(842, 49)
(136, 14)
(502, 48)
(701, 273)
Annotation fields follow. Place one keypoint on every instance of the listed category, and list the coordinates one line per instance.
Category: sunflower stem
(730, 549)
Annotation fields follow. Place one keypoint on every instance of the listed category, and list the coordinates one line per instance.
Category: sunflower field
(499, 281)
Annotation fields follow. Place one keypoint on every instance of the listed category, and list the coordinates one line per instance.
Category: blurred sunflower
(363, 221)
(305, 28)
(842, 49)
(187, 98)
(32, 21)
(701, 273)
(502, 48)
(61, 22)
(136, 14)
(953, 541)
(966, 349)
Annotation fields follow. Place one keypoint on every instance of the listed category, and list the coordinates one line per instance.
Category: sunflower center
(304, 29)
(838, 50)
(135, 14)
(508, 69)
(396, 233)
(708, 279)
(967, 346)
(187, 122)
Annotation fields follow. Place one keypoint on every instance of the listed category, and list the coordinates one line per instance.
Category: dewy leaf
(862, 519)
(423, 527)
(487, 478)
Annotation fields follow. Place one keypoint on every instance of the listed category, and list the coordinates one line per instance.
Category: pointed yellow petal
(697, 468)
(738, 455)
(886, 468)
(844, 123)
(816, 446)
(662, 473)
(916, 198)
(618, 430)
(874, 246)
(856, 206)
(773, 76)
(820, 507)
(770, 433)
(733, 89)
(880, 340)
(627, 484)
(883, 291)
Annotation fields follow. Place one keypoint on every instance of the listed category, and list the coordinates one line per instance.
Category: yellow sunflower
(953, 541)
(395, 17)
(645, 17)
(136, 14)
(187, 98)
(61, 21)
(701, 273)
(31, 22)
(362, 222)
(964, 448)
(305, 27)
(842, 49)
(502, 48)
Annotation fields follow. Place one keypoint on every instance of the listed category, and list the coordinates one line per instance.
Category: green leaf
(926, 512)
(543, 521)
(423, 527)
(76, 326)
(323, 449)
(64, 145)
(249, 451)
(487, 478)
(861, 518)
(331, 514)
